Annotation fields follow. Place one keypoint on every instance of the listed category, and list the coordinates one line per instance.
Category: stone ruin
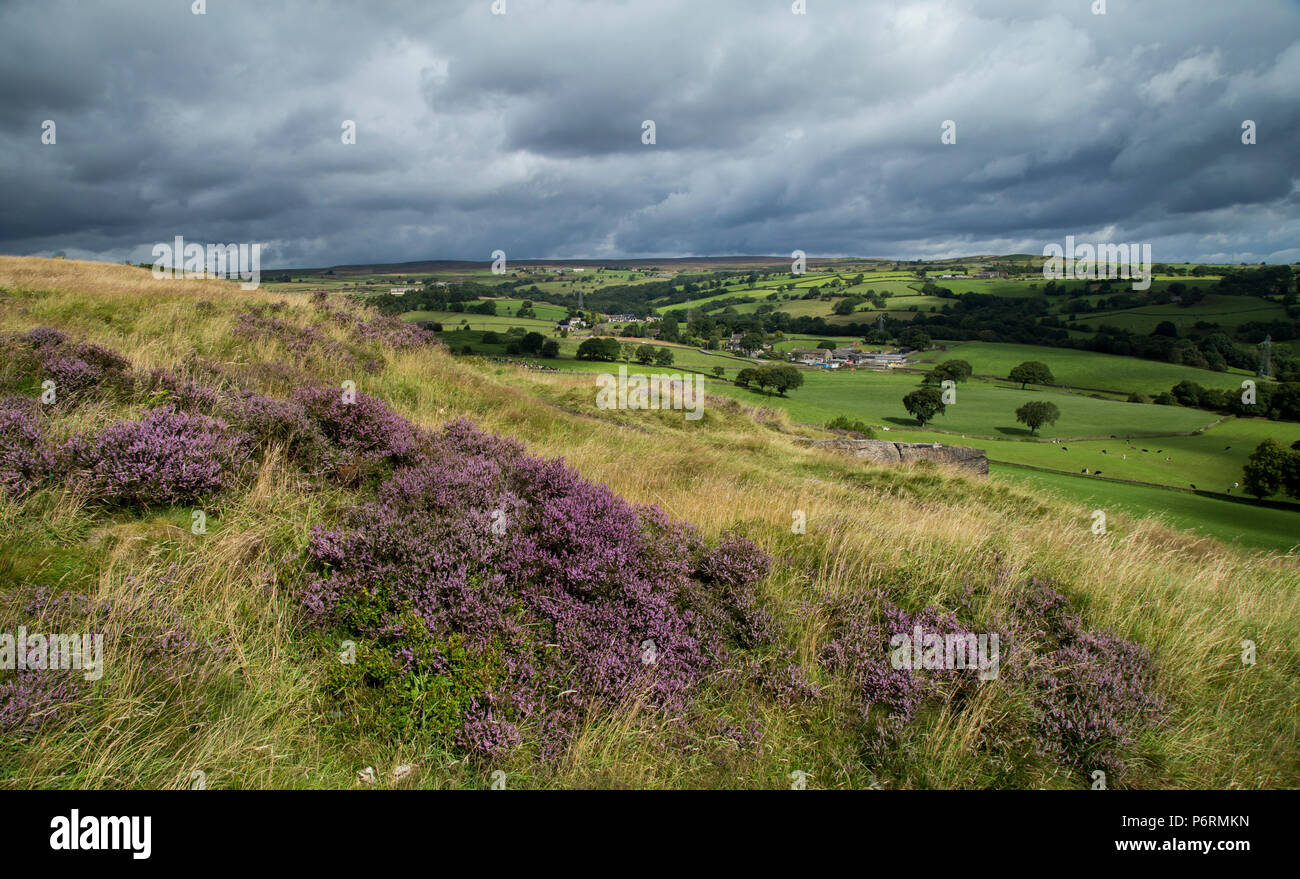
(886, 452)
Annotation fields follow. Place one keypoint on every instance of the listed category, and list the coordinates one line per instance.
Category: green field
(1228, 311)
(1211, 461)
(1085, 369)
(982, 408)
(1242, 523)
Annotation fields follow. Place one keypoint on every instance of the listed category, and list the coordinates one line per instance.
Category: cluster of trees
(780, 377)
(1278, 402)
(520, 342)
(608, 349)
(430, 297)
(1273, 468)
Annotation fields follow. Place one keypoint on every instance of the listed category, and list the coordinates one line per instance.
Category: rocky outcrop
(885, 452)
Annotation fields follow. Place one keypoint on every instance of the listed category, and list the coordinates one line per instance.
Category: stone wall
(885, 452)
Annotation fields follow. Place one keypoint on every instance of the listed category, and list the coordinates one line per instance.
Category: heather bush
(25, 459)
(83, 368)
(524, 597)
(164, 386)
(30, 700)
(164, 457)
(45, 354)
(362, 437)
(269, 419)
(303, 341)
(394, 332)
(1093, 691)
(44, 337)
(1089, 692)
(887, 699)
(72, 376)
(781, 678)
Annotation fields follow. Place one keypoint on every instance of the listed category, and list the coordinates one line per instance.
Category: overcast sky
(774, 131)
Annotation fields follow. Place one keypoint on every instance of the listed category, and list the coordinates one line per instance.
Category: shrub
(360, 436)
(79, 369)
(272, 420)
(842, 422)
(165, 457)
(30, 700)
(393, 332)
(525, 596)
(1092, 690)
(885, 698)
(25, 460)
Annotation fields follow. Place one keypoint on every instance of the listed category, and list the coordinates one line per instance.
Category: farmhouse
(816, 356)
(399, 291)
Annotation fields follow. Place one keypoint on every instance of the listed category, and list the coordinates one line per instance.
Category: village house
(812, 356)
(399, 291)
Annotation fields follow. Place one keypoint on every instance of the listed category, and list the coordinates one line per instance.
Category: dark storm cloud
(774, 131)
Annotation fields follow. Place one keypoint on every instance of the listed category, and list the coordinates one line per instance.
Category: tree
(949, 370)
(923, 404)
(847, 305)
(745, 376)
(1032, 371)
(532, 343)
(784, 378)
(550, 348)
(915, 337)
(957, 370)
(598, 349)
(1036, 413)
(1271, 468)
(645, 354)
(664, 357)
(719, 371)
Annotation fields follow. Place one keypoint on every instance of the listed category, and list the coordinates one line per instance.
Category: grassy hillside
(223, 646)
